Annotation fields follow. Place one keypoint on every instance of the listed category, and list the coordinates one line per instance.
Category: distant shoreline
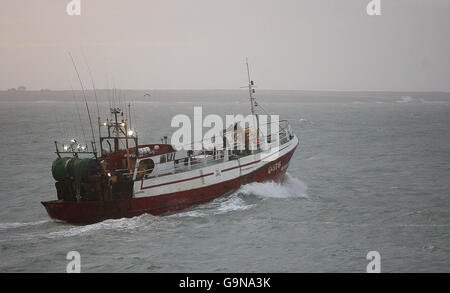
(223, 95)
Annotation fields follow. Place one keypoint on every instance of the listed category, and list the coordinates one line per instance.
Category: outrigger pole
(87, 106)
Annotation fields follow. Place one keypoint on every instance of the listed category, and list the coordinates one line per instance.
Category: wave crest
(217, 207)
(291, 187)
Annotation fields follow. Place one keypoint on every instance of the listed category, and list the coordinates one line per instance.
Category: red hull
(89, 212)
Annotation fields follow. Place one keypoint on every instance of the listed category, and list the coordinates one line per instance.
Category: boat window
(145, 168)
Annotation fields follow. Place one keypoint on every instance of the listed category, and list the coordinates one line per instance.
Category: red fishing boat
(129, 179)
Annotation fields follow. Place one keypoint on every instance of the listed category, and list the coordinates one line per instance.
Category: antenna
(251, 91)
(129, 113)
(250, 88)
(85, 101)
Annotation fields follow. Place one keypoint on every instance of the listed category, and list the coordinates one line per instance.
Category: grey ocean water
(369, 174)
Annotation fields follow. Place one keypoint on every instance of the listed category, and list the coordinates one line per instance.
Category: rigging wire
(81, 125)
(114, 94)
(59, 124)
(135, 115)
(95, 94)
(85, 100)
(108, 92)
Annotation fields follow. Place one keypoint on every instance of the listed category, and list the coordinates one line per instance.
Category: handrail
(282, 134)
(195, 163)
(223, 134)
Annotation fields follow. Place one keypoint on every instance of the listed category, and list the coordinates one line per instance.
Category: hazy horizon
(202, 96)
(88, 88)
(323, 45)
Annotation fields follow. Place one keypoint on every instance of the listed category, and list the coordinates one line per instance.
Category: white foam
(291, 187)
(18, 225)
(217, 207)
(406, 99)
(303, 121)
(234, 203)
(123, 224)
(434, 102)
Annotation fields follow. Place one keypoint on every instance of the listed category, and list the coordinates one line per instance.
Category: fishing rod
(96, 99)
(87, 106)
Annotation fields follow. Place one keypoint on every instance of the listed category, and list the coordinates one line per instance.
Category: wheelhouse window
(145, 168)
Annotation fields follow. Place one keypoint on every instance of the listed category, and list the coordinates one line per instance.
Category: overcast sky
(195, 44)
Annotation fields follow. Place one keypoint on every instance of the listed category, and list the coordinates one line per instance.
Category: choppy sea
(367, 176)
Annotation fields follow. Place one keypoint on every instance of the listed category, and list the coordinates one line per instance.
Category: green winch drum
(80, 170)
(83, 170)
(59, 168)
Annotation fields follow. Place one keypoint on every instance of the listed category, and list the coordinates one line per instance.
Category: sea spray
(217, 207)
(291, 187)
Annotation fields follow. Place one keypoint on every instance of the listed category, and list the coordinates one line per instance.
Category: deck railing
(202, 158)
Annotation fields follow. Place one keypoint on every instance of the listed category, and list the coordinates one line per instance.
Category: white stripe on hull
(209, 175)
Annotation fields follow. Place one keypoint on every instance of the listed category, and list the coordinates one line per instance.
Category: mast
(129, 114)
(251, 91)
(116, 111)
(117, 130)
